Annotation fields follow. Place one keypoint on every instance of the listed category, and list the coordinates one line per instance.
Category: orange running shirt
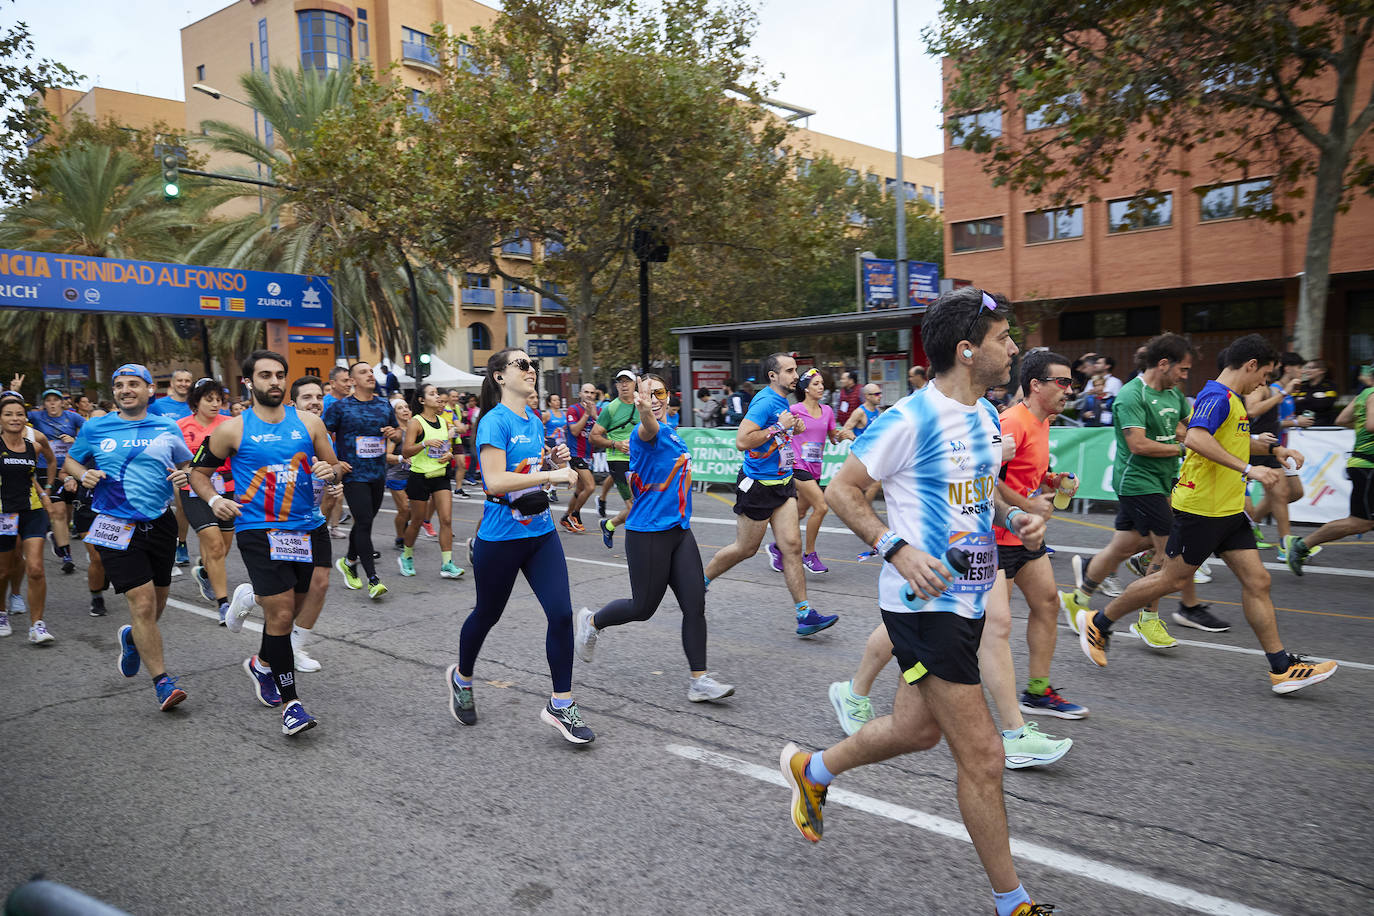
(1026, 469)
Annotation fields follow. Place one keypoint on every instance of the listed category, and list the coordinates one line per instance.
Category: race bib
(290, 546)
(437, 449)
(371, 446)
(110, 533)
(9, 524)
(786, 456)
(811, 451)
(59, 451)
(982, 561)
(218, 480)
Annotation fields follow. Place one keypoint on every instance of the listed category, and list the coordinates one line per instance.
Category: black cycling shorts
(199, 515)
(935, 642)
(1011, 557)
(1361, 492)
(272, 577)
(420, 487)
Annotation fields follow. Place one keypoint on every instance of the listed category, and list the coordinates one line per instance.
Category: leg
(586, 485)
(787, 532)
(1036, 581)
(809, 492)
(1335, 531)
(648, 555)
(213, 548)
(38, 583)
(61, 534)
(994, 655)
(402, 503)
(416, 511)
(1121, 546)
(877, 653)
(442, 501)
(309, 604)
(1254, 592)
(278, 612)
(364, 499)
(494, 567)
(143, 615)
(748, 537)
(546, 571)
(1144, 592)
(684, 576)
(909, 728)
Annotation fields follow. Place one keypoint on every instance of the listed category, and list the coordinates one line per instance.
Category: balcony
(511, 299)
(549, 305)
(520, 248)
(421, 55)
(479, 297)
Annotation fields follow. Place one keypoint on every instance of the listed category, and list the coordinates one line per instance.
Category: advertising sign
(79, 374)
(54, 376)
(1326, 488)
(710, 373)
(880, 282)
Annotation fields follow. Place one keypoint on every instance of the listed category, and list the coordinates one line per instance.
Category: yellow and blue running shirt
(1205, 487)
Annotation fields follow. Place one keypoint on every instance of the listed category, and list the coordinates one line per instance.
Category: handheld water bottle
(955, 559)
(1064, 492)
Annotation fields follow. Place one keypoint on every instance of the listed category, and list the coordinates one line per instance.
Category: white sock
(300, 636)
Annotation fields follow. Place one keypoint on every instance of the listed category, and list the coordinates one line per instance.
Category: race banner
(1326, 489)
(716, 460)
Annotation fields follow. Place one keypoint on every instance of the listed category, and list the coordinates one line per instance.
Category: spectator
(851, 395)
(735, 404)
(916, 378)
(707, 410)
(746, 394)
(390, 384)
(1314, 395)
(1083, 369)
(1092, 405)
(1106, 365)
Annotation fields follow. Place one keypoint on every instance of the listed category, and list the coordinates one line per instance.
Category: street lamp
(215, 94)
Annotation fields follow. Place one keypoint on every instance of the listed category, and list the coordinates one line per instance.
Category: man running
(581, 418)
(766, 493)
(340, 386)
(612, 432)
(1209, 518)
(307, 393)
(361, 424)
(937, 453)
(60, 426)
(174, 404)
(277, 454)
(140, 460)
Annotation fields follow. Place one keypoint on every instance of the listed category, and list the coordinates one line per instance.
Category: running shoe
(851, 709)
(577, 526)
(775, 557)
(1302, 672)
(223, 613)
(1033, 909)
(176, 572)
(1076, 564)
(462, 494)
(813, 563)
(240, 606)
(264, 684)
(375, 588)
(1071, 605)
(1313, 551)
(460, 699)
(1260, 541)
(1091, 640)
(808, 798)
(5, 628)
(1051, 704)
(601, 507)
(585, 634)
(1032, 748)
(398, 544)
(1203, 574)
(68, 565)
(350, 575)
(1111, 587)
(811, 621)
(567, 525)
(407, 565)
(1296, 552)
(168, 693)
(1199, 618)
(294, 719)
(305, 661)
(129, 660)
(706, 689)
(1139, 563)
(428, 528)
(207, 591)
(183, 555)
(607, 535)
(39, 635)
(451, 570)
(569, 723)
(52, 542)
(1152, 630)
(337, 532)
(15, 604)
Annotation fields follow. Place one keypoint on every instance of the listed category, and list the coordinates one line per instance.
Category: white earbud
(968, 354)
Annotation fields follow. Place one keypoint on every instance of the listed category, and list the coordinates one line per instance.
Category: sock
(706, 582)
(1190, 607)
(610, 525)
(65, 552)
(300, 636)
(857, 696)
(1148, 615)
(556, 703)
(260, 666)
(98, 597)
(1101, 622)
(803, 607)
(1008, 902)
(1014, 733)
(1278, 661)
(157, 678)
(408, 552)
(816, 771)
(181, 544)
(276, 651)
(461, 681)
(222, 600)
(352, 563)
(1037, 686)
(446, 556)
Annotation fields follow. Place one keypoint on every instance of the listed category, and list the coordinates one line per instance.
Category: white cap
(625, 373)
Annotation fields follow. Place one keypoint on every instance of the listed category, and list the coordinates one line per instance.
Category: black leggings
(364, 500)
(494, 566)
(658, 560)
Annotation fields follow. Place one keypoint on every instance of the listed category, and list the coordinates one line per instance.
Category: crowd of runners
(966, 494)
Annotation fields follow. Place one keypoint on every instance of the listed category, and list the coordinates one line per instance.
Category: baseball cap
(135, 370)
(625, 373)
(52, 391)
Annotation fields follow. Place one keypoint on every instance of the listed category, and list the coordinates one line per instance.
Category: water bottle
(955, 559)
(1064, 493)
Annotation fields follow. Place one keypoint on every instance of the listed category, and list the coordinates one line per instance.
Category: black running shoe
(98, 606)
(460, 699)
(601, 507)
(1199, 618)
(568, 722)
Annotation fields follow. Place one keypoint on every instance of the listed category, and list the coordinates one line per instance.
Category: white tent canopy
(440, 373)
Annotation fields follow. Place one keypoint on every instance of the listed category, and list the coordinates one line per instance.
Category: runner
(140, 459)
(397, 472)
(765, 491)
(60, 426)
(1148, 416)
(174, 405)
(937, 452)
(612, 432)
(361, 424)
(23, 512)
(1269, 405)
(428, 447)
(82, 518)
(457, 430)
(516, 535)
(861, 418)
(277, 455)
(216, 535)
(307, 393)
(659, 546)
(581, 418)
(340, 386)
(1209, 500)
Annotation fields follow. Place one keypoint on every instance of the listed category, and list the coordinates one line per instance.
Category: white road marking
(1037, 853)
(209, 614)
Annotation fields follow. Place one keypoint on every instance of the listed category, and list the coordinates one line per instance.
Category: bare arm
(45, 447)
(1142, 445)
(648, 425)
(581, 424)
(498, 481)
(1262, 400)
(222, 443)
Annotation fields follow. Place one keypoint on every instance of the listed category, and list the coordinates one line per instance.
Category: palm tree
(301, 230)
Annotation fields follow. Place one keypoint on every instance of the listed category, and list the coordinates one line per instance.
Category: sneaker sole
(1045, 711)
(789, 750)
(1291, 686)
(562, 730)
(176, 697)
(453, 699)
(586, 648)
(307, 666)
(1077, 564)
(1024, 761)
(202, 578)
(1135, 628)
(1185, 622)
(339, 565)
(239, 609)
(303, 727)
(837, 704)
(816, 572)
(43, 640)
(703, 698)
(444, 575)
(257, 685)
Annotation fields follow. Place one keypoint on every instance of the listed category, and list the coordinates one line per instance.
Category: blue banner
(880, 282)
(46, 280)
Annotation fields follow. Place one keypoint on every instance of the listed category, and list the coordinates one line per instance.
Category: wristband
(897, 544)
(218, 497)
(1246, 473)
(884, 544)
(1182, 450)
(1006, 522)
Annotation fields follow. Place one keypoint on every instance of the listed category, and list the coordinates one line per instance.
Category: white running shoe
(1111, 587)
(306, 662)
(39, 635)
(584, 634)
(706, 688)
(240, 606)
(1077, 564)
(1204, 573)
(15, 604)
(5, 628)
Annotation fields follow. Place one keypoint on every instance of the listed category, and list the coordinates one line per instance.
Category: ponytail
(490, 395)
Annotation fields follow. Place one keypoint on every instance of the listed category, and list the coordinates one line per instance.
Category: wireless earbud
(968, 354)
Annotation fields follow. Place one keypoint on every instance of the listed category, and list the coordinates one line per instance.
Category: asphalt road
(1191, 787)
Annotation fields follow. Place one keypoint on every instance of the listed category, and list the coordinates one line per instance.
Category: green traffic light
(171, 190)
(425, 359)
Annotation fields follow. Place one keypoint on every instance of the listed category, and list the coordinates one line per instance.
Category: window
(981, 123)
(804, 167)
(1137, 322)
(477, 281)
(364, 46)
(465, 57)
(419, 47)
(326, 40)
(1236, 315)
(264, 62)
(1149, 211)
(928, 194)
(977, 234)
(1237, 199)
(200, 73)
(910, 189)
(851, 176)
(1054, 225)
(941, 205)
(481, 337)
(1053, 114)
(418, 106)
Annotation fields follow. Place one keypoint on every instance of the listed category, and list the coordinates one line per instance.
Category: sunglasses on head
(988, 304)
(1061, 381)
(524, 365)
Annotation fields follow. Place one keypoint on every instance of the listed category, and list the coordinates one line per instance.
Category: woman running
(555, 420)
(428, 447)
(23, 519)
(517, 535)
(397, 472)
(215, 535)
(659, 546)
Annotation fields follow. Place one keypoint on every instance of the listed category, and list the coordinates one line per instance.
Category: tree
(1263, 87)
(24, 77)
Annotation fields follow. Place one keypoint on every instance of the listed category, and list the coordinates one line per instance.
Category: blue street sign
(547, 348)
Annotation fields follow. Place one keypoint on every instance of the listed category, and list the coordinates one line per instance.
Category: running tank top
(18, 473)
(871, 414)
(272, 479)
(432, 460)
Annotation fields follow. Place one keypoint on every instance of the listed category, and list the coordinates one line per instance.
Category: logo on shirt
(520, 439)
(296, 434)
(973, 497)
(265, 437)
(108, 445)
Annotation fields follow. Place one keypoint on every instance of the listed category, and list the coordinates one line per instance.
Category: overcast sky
(833, 57)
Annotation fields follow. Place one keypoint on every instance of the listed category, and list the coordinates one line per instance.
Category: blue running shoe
(294, 719)
(263, 684)
(129, 660)
(168, 693)
(202, 577)
(813, 622)
(1051, 704)
(607, 535)
(183, 555)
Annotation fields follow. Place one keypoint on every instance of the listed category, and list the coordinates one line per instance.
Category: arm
(1142, 445)
(498, 481)
(599, 438)
(325, 457)
(853, 420)
(576, 428)
(1262, 400)
(41, 442)
(1347, 414)
(222, 443)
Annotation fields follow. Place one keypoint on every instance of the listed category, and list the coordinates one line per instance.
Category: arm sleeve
(888, 447)
(1210, 410)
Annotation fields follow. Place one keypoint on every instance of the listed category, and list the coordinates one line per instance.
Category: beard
(269, 398)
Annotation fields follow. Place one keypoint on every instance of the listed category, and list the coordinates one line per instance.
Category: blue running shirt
(69, 422)
(522, 439)
(272, 479)
(661, 479)
(358, 425)
(771, 461)
(136, 456)
(168, 406)
(938, 461)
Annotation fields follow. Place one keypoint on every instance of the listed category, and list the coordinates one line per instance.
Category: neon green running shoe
(350, 575)
(1032, 748)
(851, 709)
(1152, 630)
(1073, 602)
(376, 590)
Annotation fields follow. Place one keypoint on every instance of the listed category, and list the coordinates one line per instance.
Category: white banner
(1326, 489)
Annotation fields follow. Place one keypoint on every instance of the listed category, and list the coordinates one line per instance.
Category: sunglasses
(989, 304)
(1061, 381)
(659, 393)
(524, 365)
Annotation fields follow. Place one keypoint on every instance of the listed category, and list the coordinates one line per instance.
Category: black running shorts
(1361, 492)
(420, 487)
(1148, 513)
(761, 500)
(199, 515)
(1198, 537)
(935, 642)
(149, 557)
(272, 577)
(33, 523)
(1011, 557)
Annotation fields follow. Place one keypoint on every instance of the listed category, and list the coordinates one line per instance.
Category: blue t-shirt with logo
(522, 439)
(136, 456)
(168, 406)
(357, 425)
(661, 479)
(67, 423)
(771, 461)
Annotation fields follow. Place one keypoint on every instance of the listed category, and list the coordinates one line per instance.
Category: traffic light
(422, 370)
(169, 158)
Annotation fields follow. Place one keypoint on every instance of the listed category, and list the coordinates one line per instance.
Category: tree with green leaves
(25, 77)
(1262, 87)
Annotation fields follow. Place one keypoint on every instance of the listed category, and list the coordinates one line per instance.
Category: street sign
(547, 348)
(546, 324)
